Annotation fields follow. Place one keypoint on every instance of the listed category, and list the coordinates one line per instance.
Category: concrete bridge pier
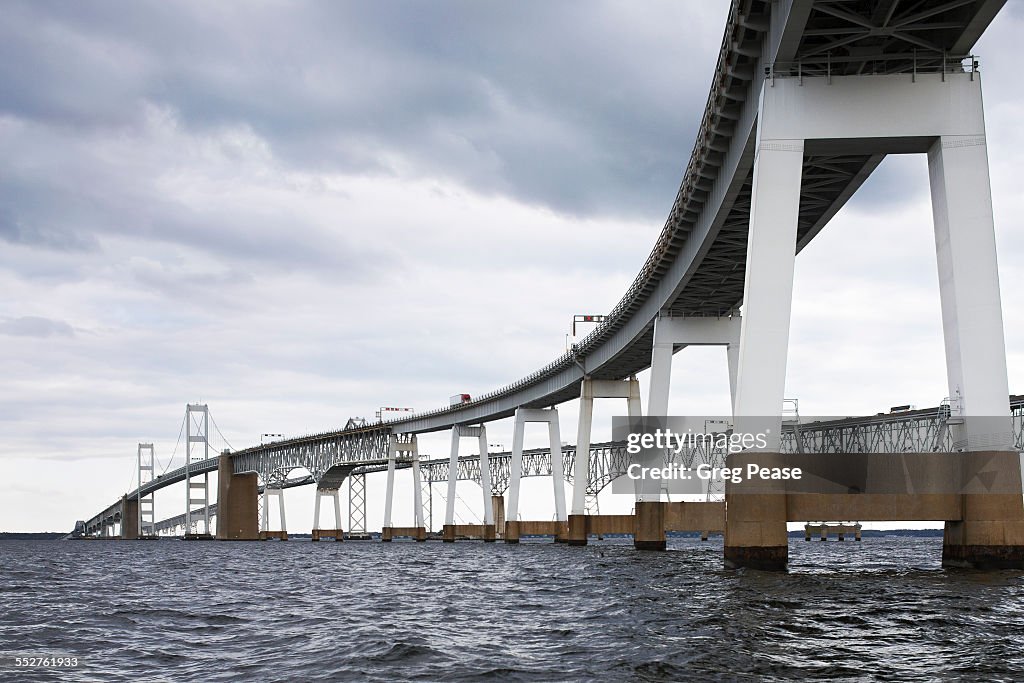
(498, 517)
(649, 525)
(513, 526)
(669, 333)
(480, 433)
(990, 533)
(238, 517)
(129, 518)
(405, 445)
(589, 390)
(266, 533)
(336, 533)
(938, 114)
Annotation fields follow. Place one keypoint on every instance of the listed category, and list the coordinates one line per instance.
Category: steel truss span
(916, 431)
(697, 265)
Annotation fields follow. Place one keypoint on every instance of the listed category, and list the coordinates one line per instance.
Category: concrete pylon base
(511, 532)
(983, 556)
(577, 530)
(991, 535)
(336, 534)
(416, 533)
(649, 530)
(764, 558)
(755, 523)
(279, 535)
(490, 533)
(448, 533)
(238, 503)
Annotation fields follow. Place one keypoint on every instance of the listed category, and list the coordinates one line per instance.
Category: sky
(301, 212)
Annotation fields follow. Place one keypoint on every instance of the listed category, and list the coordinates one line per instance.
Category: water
(882, 609)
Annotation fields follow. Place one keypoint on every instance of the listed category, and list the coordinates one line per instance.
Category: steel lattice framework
(316, 453)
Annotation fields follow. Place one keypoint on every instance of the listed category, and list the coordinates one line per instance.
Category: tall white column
(516, 467)
(389, 492)
(768, 293)
(453, 472)
(280, 508)
(661, 371)
(732, 354)
(417, 488)
(485, 475)
(337, 509)
(266, 508)
(972, 316)
(581, 469)
(557, 467)
(316, 510)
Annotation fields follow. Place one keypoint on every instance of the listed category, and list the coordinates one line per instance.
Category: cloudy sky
(301, 212)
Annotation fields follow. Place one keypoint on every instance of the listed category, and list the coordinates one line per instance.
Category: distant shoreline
(31, 535)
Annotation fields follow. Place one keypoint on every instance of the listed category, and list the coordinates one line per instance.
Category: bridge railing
(912, 63)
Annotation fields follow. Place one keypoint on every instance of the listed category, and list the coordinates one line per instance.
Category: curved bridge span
(807, 98)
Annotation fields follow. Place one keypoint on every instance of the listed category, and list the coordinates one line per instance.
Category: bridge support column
(237, 503)
(670, 332)
(497, 504)
(524, 415)
(990, 534)
(129, 518)
(336, 533)
(266, 533)
(649, 529)
(407, 447)
(589, 390)
(459, 432)
(755, 529)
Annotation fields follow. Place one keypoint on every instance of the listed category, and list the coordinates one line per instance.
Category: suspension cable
(226, 442)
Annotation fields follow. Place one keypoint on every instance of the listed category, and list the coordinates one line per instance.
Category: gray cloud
(34, 326)
(551, 103)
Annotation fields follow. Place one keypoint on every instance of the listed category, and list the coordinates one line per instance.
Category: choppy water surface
(169, 610)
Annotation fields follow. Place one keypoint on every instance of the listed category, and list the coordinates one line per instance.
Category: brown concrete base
(511, 532)
(467, 532)
(765, 558)
(237, 503)
(983, 556)
(336, 534)
(498, 510)
(990, 534)
(416, 533)
(279, 535)
(577, 530)
(129, 518)
(649, 526)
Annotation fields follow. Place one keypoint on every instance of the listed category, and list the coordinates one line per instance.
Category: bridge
(807, 98)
